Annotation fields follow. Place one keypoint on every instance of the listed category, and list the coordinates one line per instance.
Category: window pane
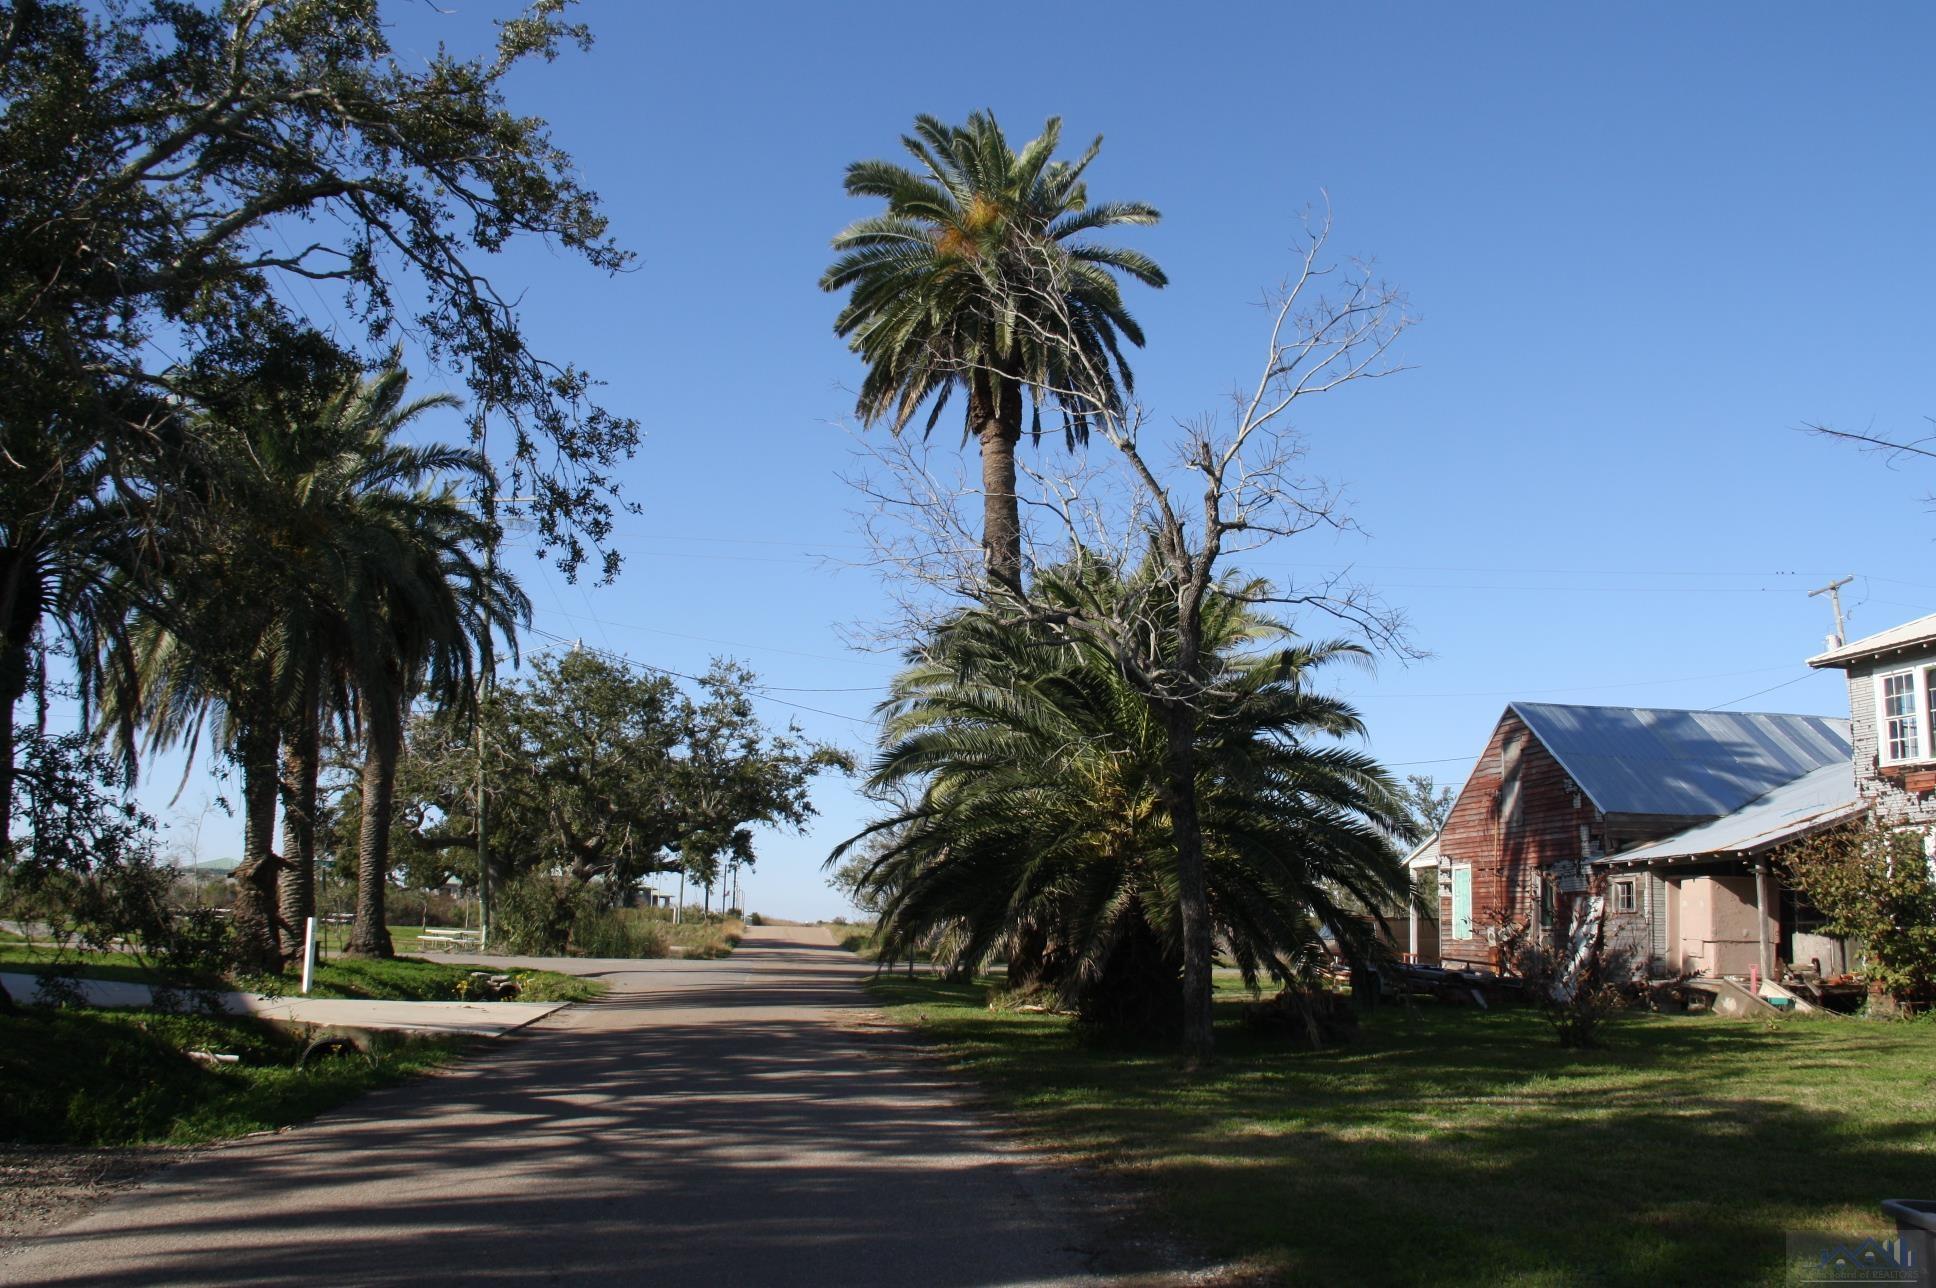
(1899, 717)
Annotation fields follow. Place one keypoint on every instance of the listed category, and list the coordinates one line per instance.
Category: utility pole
(484, 674)
(486, 680)
(1834, 592)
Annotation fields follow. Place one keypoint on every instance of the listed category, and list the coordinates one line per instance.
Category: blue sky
(1646, 245)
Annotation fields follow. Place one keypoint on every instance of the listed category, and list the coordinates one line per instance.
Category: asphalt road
(706, 1123)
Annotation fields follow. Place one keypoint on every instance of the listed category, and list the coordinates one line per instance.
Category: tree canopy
(168, 169)
(596, 770)
(1042, 802)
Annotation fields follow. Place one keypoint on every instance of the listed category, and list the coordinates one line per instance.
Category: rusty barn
(1560, 790)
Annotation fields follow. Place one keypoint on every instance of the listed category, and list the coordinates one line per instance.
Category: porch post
(1412, 908)
(1761, 916)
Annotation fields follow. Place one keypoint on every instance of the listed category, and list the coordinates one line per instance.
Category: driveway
(707, 1122)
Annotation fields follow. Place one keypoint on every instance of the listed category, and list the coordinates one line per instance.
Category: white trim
(1919, 713)
(1455, 869)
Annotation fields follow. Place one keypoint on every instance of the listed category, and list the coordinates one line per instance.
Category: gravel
(42, 1187)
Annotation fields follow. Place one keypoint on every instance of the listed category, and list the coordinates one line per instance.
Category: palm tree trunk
(8, 702)
(300, 766)
(1029, 951)
(19, 618)
(13, 661)
(995, 412)
(258, 946)
(370, 937)
(1193, 897)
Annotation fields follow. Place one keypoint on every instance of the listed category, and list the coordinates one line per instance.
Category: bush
(534, 914)
(550, 917)
(1576, 991)
(1876, 884)
(617, 932)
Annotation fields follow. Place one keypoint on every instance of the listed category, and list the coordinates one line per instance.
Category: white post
(1412, 907)
(309, 951)
(1761, 917)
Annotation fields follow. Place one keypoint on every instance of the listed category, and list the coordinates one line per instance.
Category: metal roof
(1642, 760)
(1814, 800)
(1920, 631)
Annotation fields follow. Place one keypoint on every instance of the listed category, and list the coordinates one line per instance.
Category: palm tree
(341, 480)
(1041, 771)
(68, 547)
(423, 605)
(300, 583)
(218, 662)
(977, 278)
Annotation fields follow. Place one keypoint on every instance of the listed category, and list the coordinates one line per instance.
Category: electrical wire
(612, 655)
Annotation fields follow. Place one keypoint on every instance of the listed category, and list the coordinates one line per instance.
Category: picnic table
(444, 940)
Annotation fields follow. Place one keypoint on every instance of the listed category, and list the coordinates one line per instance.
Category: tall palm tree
(340, 479)
(300, 584)
(977, 278)
(1040, 773)
(426, 605)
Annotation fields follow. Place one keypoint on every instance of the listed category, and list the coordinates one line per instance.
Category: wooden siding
(1520, 816)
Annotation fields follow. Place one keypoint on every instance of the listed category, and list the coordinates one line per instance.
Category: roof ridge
(1679, 711)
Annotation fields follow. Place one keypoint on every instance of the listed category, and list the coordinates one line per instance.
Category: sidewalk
(479, 1019)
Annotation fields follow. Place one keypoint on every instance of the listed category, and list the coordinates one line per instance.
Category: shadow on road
(709, 1125)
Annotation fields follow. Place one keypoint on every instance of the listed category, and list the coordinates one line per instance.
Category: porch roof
(1828, 795)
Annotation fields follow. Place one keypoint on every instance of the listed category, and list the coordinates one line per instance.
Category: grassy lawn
(410, 979)
(81, 1077)
(1463, 1147)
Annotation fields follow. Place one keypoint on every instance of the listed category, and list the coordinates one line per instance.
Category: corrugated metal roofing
(1641, 760)
(1825, 796)
(1920, 631)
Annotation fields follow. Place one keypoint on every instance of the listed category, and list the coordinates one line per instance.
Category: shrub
(534, 914)
(1875, 883)
(1577, 988)
(550, 916)
(617, 932)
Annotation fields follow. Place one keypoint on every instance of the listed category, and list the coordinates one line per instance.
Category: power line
(809, 547)
(1576, 688)
(1758, 692)
(708, 639)
(614, 656)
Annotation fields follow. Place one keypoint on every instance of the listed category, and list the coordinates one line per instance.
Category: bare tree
(1172, 529)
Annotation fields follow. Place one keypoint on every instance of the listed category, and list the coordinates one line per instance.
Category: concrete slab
(478, 1019)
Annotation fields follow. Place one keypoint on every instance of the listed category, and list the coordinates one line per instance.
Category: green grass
(410, 979)
(1454, 1146)
(82, 1077)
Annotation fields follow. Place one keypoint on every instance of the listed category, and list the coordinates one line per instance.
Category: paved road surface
(707, 1123)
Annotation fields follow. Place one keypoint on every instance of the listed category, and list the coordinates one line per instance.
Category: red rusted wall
(1507, 854)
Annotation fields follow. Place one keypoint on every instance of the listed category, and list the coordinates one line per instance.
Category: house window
(1462, 901)
(1624, 897)
(1898, 726)
(1548, 901)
